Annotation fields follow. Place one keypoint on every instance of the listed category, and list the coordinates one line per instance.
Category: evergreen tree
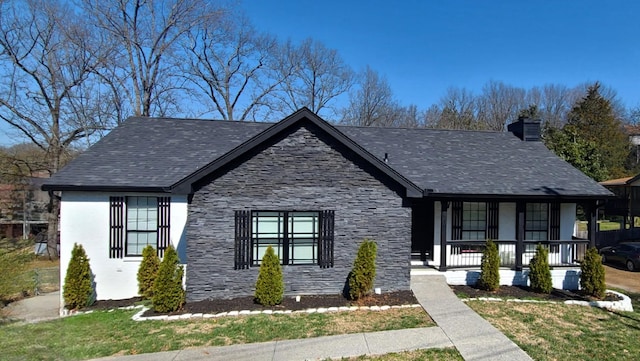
(579, 152)
(490, 268)
(168, 294)
(592, 274)
(539, 271)
(148, 271)
(593, 120)
(363, 273)
(78, 288)
(270, 283)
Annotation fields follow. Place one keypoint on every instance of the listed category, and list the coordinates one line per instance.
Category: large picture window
(138, 221)
(293, 236)
(297, 237)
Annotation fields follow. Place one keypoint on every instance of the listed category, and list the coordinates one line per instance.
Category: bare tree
(409, 116)
(458, 110)
(319, 76)
(47, 61)
(372, 103)
(431, 116)
(553, 102)
(147, 34)
(498, 105)
(236, 68)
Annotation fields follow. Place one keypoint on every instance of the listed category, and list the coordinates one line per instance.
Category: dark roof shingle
(157, 153)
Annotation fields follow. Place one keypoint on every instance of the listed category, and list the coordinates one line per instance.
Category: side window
(474, 221)
(136, 222)
(536, 223)
(142, 224)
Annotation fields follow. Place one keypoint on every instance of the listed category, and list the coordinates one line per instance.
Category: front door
(422, 231)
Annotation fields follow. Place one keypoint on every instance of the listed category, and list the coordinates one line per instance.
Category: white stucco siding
(84, 219)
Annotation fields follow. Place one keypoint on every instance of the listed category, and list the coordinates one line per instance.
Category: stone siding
(304, 169)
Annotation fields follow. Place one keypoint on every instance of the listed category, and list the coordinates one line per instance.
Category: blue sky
(424, 47)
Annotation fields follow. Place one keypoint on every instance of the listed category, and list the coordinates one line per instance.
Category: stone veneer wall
(302, 170)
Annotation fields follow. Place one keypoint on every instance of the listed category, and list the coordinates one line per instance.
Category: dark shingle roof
(156, 153)
(473, 162)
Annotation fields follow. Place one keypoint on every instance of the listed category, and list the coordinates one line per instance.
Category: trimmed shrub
(363, 273)
(270, 283)
(490, 268)
(539, 271)
(168, 294)
(148, 271)
(78, 289)
(592, 274)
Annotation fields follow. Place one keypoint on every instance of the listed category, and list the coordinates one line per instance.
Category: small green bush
(539, 271)
(16, 280)
(168, 294)
(78, 282)
(363, 273)
(490, 268)
(592, 274)
(148, 271)
(270, 283)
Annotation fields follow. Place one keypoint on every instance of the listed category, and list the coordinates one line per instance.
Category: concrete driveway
(39, 308)
(619, 277)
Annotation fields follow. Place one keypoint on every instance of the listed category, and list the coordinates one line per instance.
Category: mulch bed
(325, 301)
(112, 304)
(525, 292)
(306, 302)
(288, 303)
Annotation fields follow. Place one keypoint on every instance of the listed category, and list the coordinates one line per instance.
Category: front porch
(449, 237)
(452, 234)
(463, 260)
(468, 253)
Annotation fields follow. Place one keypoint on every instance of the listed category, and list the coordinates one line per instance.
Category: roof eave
(449, 196)
(103, 188)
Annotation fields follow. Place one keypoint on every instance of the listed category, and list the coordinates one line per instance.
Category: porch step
(420, 268)
(425, 271)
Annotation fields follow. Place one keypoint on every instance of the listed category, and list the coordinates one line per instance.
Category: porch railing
(562, 253)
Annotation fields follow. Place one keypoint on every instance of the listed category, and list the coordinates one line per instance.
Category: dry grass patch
(366, 321)
(565, 332)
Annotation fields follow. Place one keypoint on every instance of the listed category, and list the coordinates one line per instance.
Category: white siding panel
(567, 220)
(84, 219)
(507, 213)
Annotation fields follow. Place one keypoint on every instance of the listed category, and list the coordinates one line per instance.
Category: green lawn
(604, 226)
(561, 332)
(104, 333)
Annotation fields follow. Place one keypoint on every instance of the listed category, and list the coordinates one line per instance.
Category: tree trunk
(53, 226)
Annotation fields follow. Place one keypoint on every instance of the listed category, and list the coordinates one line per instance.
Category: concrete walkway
(34, 309)
(458, 326)
(474, 337)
